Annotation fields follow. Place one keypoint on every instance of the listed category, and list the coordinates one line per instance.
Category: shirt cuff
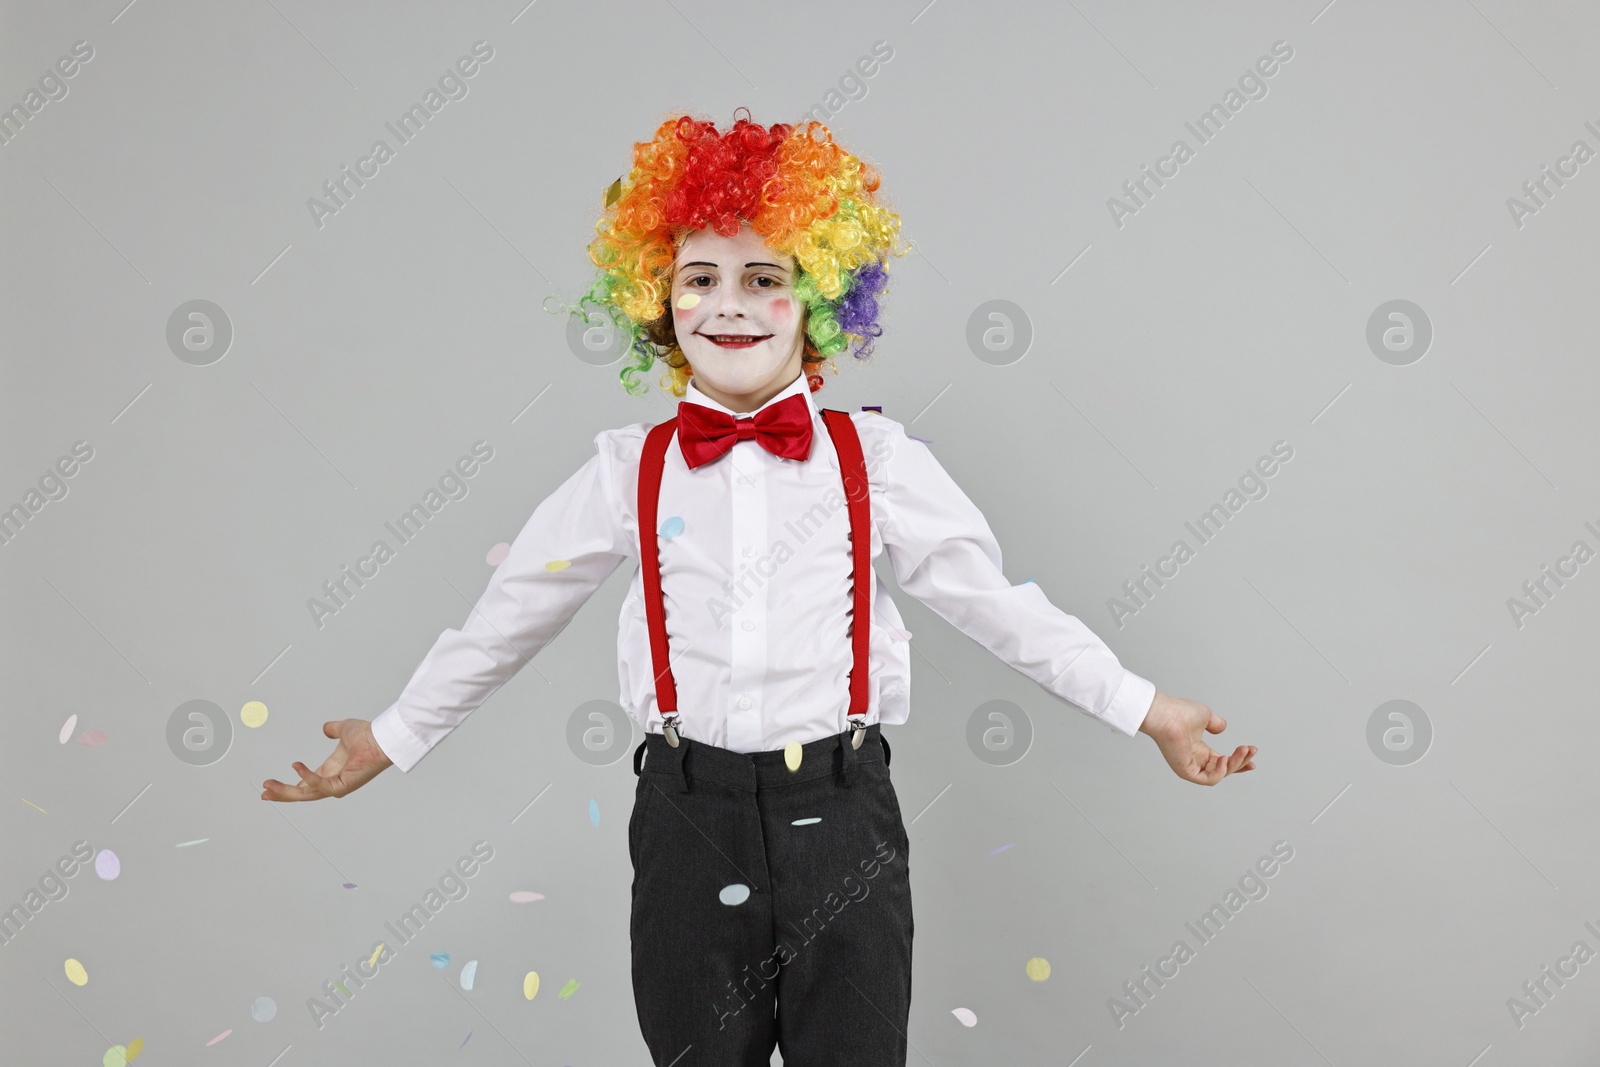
(396, 739)
(1128, 708)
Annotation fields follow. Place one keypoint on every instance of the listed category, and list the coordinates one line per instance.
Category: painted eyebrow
(703, 263)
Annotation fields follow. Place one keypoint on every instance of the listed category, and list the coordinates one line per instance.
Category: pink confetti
(92, 738)
(497, 555)
(1002, 848)
(219, 1037)
(523, 896)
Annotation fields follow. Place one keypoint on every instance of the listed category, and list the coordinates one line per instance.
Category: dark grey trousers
(770, 906)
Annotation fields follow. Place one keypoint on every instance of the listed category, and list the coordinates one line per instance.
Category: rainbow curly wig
(801, 192)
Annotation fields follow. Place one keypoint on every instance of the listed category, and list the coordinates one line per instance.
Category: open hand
(1176, 724)
(355, 762)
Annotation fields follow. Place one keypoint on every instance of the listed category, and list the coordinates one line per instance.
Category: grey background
(1229, 313)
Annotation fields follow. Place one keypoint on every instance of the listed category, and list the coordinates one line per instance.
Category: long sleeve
(945, 555)
(530, 597)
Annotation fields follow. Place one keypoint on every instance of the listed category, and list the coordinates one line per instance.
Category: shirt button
(748, 625)
(744, 702)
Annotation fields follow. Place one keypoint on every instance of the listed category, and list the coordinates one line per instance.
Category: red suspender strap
(650, 464)
(853, 472)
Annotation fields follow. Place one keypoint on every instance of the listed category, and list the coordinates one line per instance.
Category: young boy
(771, 894)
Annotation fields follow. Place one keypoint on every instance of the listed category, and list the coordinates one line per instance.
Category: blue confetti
(672, 527)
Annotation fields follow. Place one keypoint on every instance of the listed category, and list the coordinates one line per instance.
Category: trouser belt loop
(676, 755)
(638, 757)
(847, 753)
(884, 741)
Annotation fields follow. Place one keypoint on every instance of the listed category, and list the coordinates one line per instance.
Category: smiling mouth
(735, 340)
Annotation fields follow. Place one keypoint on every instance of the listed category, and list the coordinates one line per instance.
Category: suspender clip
(858, 727)
(669, 727)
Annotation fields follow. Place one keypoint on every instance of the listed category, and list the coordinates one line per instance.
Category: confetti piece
(594, 811)
(687, 301)
(464, 1041)
(196, 841)
(570, 988)
(253, 714)
(530, 985)
(737, 893)
(1002, 848)
(440, 960)
(497, 555)
(32, 805)
(106, 865)
(135, 1047)
(468, 973)
(672, 527)
(340, 987)
(70, 725)
(373, 962)
(965, 1016)
(791, 755)
(1038, 968)
(263, 1009)
(614, 192)
(75, 973)
(1025, 581)
(807, 822)
(523, 896)
(557, 565)
(924, 440)
(92, 738)
(116, 1056)
(219, 1037)
(349, 885)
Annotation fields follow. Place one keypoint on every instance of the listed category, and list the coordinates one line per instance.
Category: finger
(330, 729)
(314, 782)
(272, 789)
(1216, 724)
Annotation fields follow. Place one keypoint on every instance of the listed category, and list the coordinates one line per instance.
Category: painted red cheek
(781, 309)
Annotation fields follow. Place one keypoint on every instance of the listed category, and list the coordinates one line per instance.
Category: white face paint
(737, 286)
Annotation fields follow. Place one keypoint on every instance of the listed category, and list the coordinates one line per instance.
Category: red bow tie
(784, 429)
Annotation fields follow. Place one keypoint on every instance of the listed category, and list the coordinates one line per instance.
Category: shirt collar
(800, 385)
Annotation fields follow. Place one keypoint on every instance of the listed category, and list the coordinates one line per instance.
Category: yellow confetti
(373, 962)
(614, 193)
(530, 985)
(253, 714)
(687, 301)
(791, 755)
(1038, 968)
(76, 974)
(135, 1047)
(557, 565)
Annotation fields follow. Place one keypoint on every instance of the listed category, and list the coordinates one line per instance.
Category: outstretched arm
(945, 555)
(566, 550)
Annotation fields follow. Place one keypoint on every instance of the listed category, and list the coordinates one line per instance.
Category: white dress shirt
(756, 579)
